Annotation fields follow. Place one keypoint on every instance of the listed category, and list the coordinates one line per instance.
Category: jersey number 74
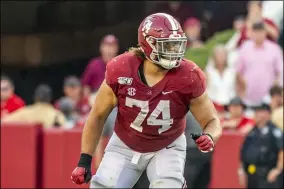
(162, 107)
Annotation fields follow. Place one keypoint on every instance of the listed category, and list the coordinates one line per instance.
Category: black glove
(82, 173)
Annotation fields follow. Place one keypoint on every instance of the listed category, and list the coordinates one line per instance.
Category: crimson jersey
(151, 118)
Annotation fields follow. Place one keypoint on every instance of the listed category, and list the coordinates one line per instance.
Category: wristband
(85, 160)
(210, 136)
(196, 136)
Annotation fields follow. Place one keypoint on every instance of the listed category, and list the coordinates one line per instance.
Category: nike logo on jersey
(168, 147)
(164, 93)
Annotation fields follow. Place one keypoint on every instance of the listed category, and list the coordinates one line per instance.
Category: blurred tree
(201, 55)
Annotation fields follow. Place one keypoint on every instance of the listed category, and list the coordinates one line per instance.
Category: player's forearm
(206, 115)
(213, 128)
(91, 135)
(280, 160)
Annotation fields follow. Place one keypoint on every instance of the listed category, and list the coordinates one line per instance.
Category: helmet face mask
(162, 40)
(167, 52)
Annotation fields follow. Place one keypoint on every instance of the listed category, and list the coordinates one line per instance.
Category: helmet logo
(147, 27)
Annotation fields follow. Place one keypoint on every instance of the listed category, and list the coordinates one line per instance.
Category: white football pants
(121, 166)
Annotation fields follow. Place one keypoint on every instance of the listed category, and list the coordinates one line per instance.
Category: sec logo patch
(131, 91)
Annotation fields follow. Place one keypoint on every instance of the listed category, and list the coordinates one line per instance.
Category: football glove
(203, 141)
(82, 173)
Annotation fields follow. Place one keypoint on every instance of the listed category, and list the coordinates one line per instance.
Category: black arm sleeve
(278, 135)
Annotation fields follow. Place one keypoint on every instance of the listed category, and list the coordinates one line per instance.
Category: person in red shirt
(9, 100)
(192, 28)
(94, 73)
(236, 120)
(255, 15)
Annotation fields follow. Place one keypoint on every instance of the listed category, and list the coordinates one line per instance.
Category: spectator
(72, 89)
(277, 117)
(237, 120)
(41, 111)
(192, 29)
(262, 153)
(255, 15)
(259, 66)
(239, 23)
(276, 104)
(10, 102)
(220, 79)
(276, 97)
(68, 107)
(95, 72)
(274, 11)
(109, 124)
(229, 38)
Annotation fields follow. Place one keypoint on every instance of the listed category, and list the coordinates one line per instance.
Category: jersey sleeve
(117, 68)
(111, 76)
(197, 84)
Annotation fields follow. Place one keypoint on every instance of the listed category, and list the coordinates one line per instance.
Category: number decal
(136, 124)
(162, 107)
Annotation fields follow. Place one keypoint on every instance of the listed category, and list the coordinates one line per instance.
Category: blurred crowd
(243, 65)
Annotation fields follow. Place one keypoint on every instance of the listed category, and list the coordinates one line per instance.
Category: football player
(153, 88)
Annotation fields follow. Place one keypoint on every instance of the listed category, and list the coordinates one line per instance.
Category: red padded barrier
(62, 151)
(20, 163)
(31, 158)
(72, 148)
(53, 158)
(226, 161)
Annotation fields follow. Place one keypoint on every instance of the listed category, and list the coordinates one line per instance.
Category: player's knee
(166, 183)
(95, 184)
(102, 181)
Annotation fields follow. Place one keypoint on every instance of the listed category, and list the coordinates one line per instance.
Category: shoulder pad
(120, 66)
